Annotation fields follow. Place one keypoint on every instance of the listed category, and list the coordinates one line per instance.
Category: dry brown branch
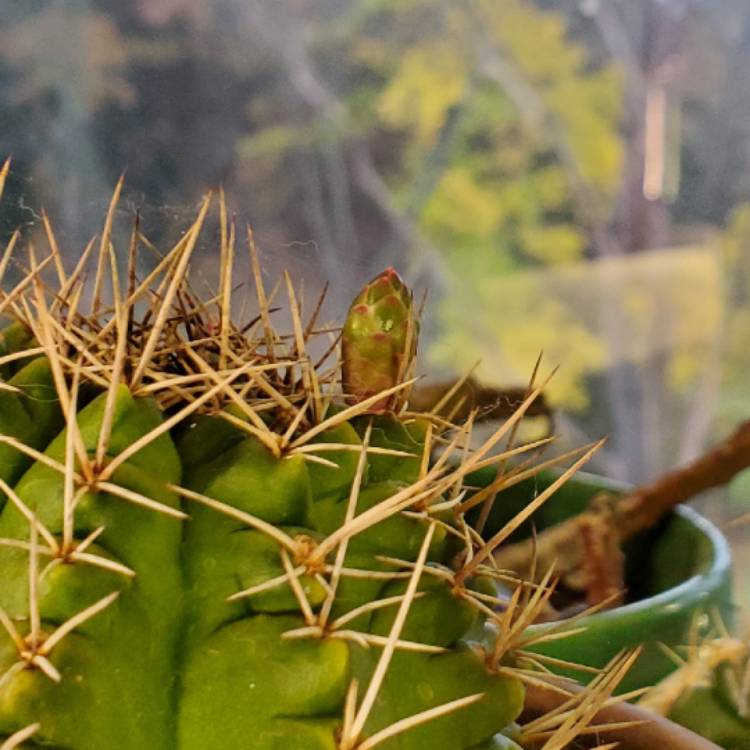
(603, 562)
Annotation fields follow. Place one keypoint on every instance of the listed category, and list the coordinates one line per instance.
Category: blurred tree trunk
(646, 39)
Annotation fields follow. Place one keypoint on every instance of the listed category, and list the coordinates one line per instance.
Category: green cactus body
(298, 687)
(703, 710)
(14, 339)
(117, 669)
(707, 693)
(31, 414)
(208, 542)
(171, 663)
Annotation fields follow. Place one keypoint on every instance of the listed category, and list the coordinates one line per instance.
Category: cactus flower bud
(379, 341)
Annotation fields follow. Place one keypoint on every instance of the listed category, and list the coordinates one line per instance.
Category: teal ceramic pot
(675, 573)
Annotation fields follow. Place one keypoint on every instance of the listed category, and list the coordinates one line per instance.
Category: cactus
(709, 692)
(204, 543)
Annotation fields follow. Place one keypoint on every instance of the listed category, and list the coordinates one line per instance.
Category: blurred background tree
(566, 175)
